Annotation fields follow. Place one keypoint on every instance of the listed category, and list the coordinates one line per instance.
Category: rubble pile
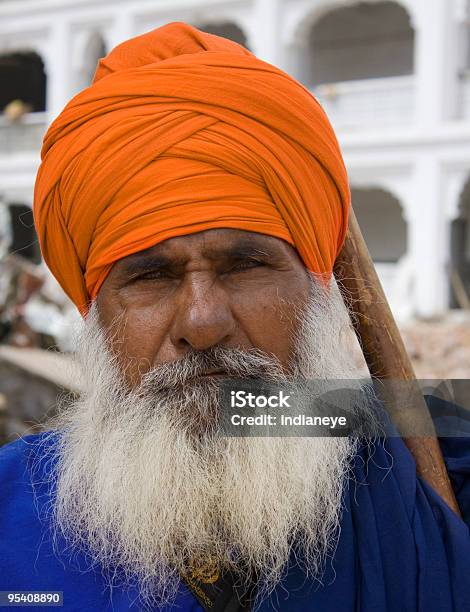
(440, 348)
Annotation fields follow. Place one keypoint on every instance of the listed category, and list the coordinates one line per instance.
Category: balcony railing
(368, 103)
(24, 135)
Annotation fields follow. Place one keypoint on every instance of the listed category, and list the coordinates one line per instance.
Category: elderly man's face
(145, 477)
(223, 287)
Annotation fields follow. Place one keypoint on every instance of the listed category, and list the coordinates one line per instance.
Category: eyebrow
(241, 249)
(145, 263)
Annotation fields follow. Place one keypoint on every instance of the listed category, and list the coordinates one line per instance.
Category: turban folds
(182, 131)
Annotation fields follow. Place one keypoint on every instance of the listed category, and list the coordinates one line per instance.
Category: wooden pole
(386, 356)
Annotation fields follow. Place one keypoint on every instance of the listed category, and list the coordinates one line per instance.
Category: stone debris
(439, 348)
(34, 311)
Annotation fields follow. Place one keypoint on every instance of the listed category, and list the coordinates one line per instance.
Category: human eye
(246, 264)
(154, 275)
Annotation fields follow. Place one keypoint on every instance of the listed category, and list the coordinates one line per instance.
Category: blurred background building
(393, 76)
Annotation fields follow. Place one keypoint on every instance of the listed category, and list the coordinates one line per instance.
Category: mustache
(224, 361)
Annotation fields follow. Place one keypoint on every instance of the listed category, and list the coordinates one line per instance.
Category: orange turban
(183, 131)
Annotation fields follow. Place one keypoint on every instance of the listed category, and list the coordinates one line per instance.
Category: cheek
(268, 319)
(138, 340)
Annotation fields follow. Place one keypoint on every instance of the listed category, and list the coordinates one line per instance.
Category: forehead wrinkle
(237, 250)
(245, 244)
(169, 253)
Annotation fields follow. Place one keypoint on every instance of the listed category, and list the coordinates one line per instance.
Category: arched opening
(94, 51)
(226, 29)
(23, 238)
(362, 41)
(23, 78)
(460, 253)
(380, 218)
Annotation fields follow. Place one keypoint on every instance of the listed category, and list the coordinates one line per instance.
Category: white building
(394, 78)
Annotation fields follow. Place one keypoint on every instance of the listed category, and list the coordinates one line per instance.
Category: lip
(212, 374)
(215, 373)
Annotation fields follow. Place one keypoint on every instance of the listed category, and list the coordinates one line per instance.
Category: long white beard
(139, 489)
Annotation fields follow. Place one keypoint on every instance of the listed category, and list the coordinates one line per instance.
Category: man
(192, 202)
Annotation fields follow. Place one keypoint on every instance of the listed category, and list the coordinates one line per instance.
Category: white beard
(140, 491)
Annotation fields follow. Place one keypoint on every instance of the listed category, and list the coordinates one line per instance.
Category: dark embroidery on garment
(217, 592)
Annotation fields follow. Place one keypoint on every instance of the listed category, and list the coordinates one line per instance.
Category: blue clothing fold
(401, 549)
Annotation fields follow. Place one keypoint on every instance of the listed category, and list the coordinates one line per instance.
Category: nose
(203, 316)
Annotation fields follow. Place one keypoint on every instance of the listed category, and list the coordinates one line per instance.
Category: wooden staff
(385, 353)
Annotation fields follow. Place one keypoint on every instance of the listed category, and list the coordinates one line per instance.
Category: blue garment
(401, 549)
